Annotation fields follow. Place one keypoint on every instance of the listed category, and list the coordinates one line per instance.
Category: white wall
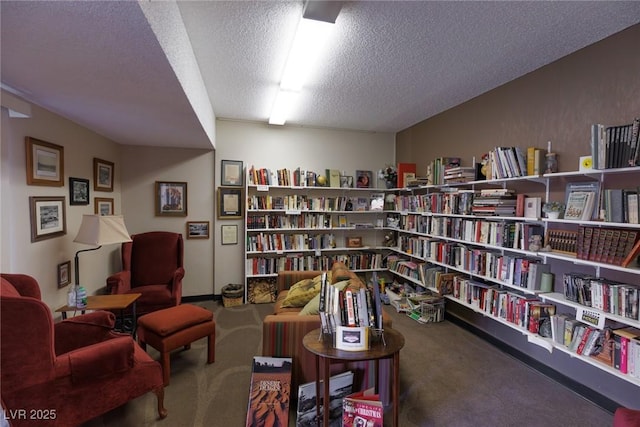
(278, 147)
(40, 259)
(142, 167)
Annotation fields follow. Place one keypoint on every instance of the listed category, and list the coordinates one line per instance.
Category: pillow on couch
(302, 292)
(313, 306)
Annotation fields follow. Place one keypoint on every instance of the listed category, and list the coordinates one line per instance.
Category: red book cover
(270, 392)
(363, 409)
(403, 170)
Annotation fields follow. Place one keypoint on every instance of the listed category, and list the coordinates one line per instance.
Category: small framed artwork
(363, 179)
(78, 191)
(232, 173)
(346, 181)
(102, 175)
(171, 198)
(103, 206)
(229, 234)
(45, 163)
(230, 203)
(197, 229)
(48, 217)
(64, 274)
(354, 242)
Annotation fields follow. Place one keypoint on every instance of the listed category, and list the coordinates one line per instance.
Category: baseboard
(584, 391)
(199, 298)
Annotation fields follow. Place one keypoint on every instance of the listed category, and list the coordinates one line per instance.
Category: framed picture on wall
(45, 163)
(64, 274)
(103, 206)
(230, 203)
(171, 198)
(229, 234)
(197, 229)
(102, 175)
(78, 191)
(232, 173)
(48, 217)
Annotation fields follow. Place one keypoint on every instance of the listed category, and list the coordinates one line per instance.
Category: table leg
(326, 402)
(64, 315)
(317, 390)
(377, 373)
(396, 387)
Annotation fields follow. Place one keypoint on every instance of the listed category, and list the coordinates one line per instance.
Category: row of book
(617, 347)
(606, 295)
(508, 162)
(301, 262)
(528, 312)
(263, 242)
(615, 146)
(609, 245)
(300, 202)
(293, 178)
(277, 221)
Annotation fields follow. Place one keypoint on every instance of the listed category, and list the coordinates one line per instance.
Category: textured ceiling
(154, 73)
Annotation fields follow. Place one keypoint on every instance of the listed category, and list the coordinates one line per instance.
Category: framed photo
(354, 242)
(45, 163)
(64, 274)
(78, 191)
(197, 229)
(102, 175)
(229, 234)
(48, 217)
(363, 179)
(232, 173)
(352, 339)
(171, 198)
(230, 203)
(346, 181)
(103, 206)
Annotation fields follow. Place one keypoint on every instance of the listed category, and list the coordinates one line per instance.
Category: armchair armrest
(26, 285)
(119, 283)
(100, 360)
(83, 330)
(176, 288)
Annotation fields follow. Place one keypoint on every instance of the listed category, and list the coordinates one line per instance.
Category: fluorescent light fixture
(282, 106)
(307, 44)
(311, 35)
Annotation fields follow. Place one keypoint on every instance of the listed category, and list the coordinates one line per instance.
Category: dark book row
(609, 245)
(615, 146)
(602, 294)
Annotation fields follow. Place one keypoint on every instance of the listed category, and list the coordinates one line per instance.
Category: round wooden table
(389, 348)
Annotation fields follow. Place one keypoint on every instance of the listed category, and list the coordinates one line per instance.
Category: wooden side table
(107, 302)
(389, 349)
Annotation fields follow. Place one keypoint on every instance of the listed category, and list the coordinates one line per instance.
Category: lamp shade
(102, 230)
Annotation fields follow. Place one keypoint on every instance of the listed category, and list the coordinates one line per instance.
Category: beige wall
(279, 147)
(141, 168)
(40, 259)
(559, 102)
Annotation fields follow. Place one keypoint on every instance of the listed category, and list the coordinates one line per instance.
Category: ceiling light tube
(281, 107)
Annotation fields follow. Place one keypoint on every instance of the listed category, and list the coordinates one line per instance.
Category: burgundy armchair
(152, 265)
(69, 372)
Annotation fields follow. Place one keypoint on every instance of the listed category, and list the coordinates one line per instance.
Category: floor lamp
(99, 230)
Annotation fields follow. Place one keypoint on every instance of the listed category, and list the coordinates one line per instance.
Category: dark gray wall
(559, 102)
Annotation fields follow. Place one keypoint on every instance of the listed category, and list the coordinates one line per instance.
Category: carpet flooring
(448, 377)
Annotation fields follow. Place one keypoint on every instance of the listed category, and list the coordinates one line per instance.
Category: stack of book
(617, 246)
(459, 174)
(498, 201)
(508, 162)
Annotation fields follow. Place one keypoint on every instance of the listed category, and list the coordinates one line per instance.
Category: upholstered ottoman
(174, 327)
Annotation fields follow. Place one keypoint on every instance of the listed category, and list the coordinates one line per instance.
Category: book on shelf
(633, 254)
(334, 178)
(406, 172)
(615, 146)
(377, 201)
(532, 207)
(340, 386)
(582, 200)
(622, 339)
(604, 347)
(270, 392)
(362, 409)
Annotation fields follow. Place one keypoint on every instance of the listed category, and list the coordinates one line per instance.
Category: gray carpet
(449, 377)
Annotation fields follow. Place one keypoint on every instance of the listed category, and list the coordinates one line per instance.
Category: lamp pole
(77, 264)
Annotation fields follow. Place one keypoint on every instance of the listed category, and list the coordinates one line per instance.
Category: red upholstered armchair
(69, 372)
(152, 265)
